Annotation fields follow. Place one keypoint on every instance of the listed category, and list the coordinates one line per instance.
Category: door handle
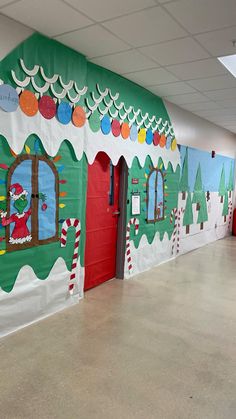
(116, 213)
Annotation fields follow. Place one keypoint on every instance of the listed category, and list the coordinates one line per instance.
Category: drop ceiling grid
(122, 36)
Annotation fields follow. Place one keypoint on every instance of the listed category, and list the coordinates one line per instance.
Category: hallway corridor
(160, 346)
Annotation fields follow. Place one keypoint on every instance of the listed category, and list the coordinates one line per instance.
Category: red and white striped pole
(133, 221)
(230, 214)
(71, 222)
(180, 213)
(173, 217)
(176, 215)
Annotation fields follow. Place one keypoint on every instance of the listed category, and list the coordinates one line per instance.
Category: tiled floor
(160, 346)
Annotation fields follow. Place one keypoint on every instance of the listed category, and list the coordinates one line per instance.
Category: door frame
(122, 220)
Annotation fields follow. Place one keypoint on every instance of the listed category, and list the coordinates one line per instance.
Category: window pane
(151, 195)
(160, 196)
(20, 227)
(47, 202)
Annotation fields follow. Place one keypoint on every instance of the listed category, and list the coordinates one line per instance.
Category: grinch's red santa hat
(16, 191)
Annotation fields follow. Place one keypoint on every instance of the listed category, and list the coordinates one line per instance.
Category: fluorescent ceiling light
(229, 61)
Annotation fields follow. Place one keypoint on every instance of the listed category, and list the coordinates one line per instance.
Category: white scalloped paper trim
(149, 122)
(49, 83)
(16, 128)
(133, 116)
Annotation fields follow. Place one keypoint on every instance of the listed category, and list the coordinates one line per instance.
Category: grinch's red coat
(20, 233)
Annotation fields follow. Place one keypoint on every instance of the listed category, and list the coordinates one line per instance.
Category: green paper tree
(197, 186)
(188, 214)
(231, 180)
(183, 185)
(202, 215)
(225, 206)
(222, 188)
(199, 198)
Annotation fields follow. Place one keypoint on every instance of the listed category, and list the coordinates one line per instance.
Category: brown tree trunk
(183, 195)
(221, 199)
(225, 218)
(230, 193)
(201, 226)
(188, 229)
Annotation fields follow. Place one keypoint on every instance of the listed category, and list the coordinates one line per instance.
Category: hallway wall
(12, 34)
(171, 206)
(193, 131)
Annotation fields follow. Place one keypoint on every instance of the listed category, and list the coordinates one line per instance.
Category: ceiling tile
(201, 106)
(125, 62)
(217, 122)
(171, 89)
(176, 51)
(219, 42)
(147, 27)
(198, 69)
(231, 125)
(206, 113)
(188, 98)
(5, 2)
(151, 77)
(227, 103)
(49, 17)
(222, 94)
(220, 111)
(106, 9)
(228, 122)
(231, 128)
(203, 15)
(93, 41)
(207, 117)
(11, 34)
(214, 83)
(222, 119)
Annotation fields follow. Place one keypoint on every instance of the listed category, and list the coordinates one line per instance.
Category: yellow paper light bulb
(27, 149)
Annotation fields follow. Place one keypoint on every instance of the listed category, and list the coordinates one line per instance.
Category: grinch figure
(20, 233)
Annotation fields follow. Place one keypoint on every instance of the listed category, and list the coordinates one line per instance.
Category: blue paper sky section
(210, 167)
(46, 185)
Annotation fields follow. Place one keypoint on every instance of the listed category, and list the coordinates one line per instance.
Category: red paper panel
(101, 223)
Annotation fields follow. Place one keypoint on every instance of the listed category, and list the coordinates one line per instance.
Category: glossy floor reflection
(162, 345)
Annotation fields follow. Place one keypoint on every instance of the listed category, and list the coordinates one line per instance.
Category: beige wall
(11, 35)
(197, 132)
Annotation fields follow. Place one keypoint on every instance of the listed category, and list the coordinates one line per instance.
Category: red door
(101, 221)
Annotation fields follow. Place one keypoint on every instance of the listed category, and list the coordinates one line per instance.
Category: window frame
(34, 202)
(156, 218)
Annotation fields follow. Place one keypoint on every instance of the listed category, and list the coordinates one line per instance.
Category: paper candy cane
(71, 222)
(173, 215)
(176, 215)
(135, 222)
(230, 214)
